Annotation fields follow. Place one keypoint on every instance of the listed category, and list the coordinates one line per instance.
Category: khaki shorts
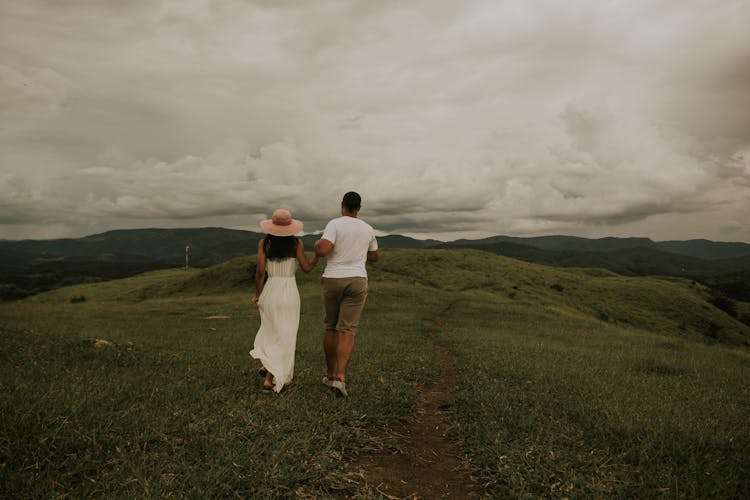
(343, 301)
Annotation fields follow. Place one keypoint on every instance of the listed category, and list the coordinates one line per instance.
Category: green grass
(551, 408)
(174, 407)
(575, 383)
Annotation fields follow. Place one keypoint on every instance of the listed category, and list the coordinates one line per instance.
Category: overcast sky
(451, 118)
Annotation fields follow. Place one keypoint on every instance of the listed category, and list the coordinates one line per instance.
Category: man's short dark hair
(352, 201)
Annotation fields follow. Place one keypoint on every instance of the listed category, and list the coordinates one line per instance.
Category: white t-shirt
(352, 238)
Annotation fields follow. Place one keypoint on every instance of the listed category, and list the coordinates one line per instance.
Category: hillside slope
(28, 267)
(725, 274)
(669, 306)
(664, 305)
(567, 383)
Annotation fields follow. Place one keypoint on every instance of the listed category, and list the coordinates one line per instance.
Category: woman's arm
(306, 265)
(260, 272)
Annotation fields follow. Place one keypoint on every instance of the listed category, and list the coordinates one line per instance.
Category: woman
(279, 255)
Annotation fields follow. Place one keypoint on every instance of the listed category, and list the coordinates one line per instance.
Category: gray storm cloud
(451, 118)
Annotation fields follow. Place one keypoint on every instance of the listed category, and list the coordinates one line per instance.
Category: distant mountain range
(31, 266)
(702, 249)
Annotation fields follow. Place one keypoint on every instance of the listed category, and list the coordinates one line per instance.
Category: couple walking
(347, 244)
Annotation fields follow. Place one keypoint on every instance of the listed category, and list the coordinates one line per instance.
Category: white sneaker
(327, 382)
(339, 386)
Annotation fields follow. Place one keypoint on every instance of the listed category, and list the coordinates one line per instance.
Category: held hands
(254, 301)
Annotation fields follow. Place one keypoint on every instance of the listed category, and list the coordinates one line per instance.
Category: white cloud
(450, 118)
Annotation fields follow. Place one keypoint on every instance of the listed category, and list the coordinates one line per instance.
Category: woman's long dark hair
(280, 247)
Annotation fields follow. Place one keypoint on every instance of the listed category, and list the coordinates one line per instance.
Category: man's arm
(323, 247)
(372, 256)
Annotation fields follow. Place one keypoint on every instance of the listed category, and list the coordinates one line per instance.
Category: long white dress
(279, 305)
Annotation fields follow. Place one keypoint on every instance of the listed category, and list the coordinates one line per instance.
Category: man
(347, 242)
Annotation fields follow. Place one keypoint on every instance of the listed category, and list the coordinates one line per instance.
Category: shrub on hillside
(713, 329)
(721, 301)
(736, 286)
(10, 291)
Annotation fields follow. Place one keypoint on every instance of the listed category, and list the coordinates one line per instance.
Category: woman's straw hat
(281, 224)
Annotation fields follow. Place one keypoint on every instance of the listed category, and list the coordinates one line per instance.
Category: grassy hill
(575, 383)
(667, 305)
(28, 267)
(677, 306)
(31, 266)
(726, 275)
(629, 261)
(208, 246)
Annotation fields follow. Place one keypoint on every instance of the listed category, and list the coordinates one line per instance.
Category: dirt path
(424, 464)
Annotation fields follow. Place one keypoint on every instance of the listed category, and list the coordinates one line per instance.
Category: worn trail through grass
(420, 461)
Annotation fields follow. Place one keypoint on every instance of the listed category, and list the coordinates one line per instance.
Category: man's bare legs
(338, 348)
(330, 346)
(344, 353)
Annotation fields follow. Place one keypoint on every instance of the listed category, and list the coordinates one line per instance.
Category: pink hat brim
(290, 230)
